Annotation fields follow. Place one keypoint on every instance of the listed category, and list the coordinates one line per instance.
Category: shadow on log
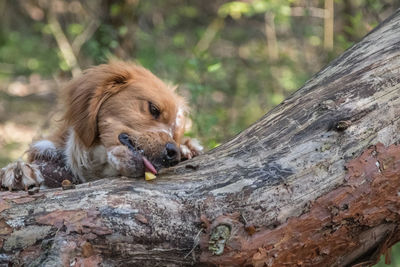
(315, 182)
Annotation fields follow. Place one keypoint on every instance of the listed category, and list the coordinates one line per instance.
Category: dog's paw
(190, 148)
(20, 176)
(124, 162)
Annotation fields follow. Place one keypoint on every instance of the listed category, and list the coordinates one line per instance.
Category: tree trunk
(315, 182)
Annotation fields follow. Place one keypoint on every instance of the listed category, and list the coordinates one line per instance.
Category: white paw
(20, 176)
(190, 148)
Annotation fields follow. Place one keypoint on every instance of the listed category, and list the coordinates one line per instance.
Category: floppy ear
(86, 94)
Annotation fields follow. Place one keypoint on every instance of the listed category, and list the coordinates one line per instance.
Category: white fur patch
(98, 155)
(43, 145)
(169, 132)
(113, 160)
(76, 156)
(195, 144)
(87, 164)
(39, 177)
(180, 115)
(185, 152)
(44, 148)
(190, 148)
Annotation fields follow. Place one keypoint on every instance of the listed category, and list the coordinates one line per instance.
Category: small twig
(244, 218)
(209, 35)
(196, 243)
(82, 38)
(63, 44)
(270, 33)
(328, 25)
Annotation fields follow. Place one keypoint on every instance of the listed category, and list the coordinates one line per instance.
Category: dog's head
(128, 110)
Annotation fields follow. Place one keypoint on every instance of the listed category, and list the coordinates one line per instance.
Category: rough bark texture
(315, 182)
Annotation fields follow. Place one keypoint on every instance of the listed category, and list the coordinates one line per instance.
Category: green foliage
(236, 9)
(394, 258)
(25, 53)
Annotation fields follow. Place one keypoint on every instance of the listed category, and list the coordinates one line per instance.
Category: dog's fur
(106, 101)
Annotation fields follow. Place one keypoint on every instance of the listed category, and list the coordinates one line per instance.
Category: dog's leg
(190, 148)
(20, 175)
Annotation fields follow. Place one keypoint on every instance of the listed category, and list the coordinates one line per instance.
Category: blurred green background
(233, 60)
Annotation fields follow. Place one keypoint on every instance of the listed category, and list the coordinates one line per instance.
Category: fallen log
(315, 182)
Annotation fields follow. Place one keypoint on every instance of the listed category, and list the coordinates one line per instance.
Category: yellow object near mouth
(148, 176)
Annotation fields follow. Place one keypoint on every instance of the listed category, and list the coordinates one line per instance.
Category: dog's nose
(171, 154)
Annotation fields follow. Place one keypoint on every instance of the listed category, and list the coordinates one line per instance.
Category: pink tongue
(149, 166)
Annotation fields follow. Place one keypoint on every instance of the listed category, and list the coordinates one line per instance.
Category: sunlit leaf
(234, 9)
(214, 67)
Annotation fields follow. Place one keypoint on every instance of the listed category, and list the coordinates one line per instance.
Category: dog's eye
(154, 111)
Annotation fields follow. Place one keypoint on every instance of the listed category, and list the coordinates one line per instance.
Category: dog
(119, 120)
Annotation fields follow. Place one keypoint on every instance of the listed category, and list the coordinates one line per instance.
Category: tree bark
(315, 182)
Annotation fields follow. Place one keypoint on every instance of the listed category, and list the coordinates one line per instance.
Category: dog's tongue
(149, 166)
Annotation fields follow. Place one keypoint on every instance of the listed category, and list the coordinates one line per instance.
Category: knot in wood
(342, 125)
(219, 236)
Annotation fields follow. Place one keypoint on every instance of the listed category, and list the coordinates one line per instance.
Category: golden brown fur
(110, 100)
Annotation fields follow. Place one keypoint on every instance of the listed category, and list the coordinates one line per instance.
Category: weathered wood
(315, 182)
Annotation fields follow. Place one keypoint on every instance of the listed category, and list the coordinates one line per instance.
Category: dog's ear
(85, 95)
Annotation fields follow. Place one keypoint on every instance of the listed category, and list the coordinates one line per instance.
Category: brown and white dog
(119, 120)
